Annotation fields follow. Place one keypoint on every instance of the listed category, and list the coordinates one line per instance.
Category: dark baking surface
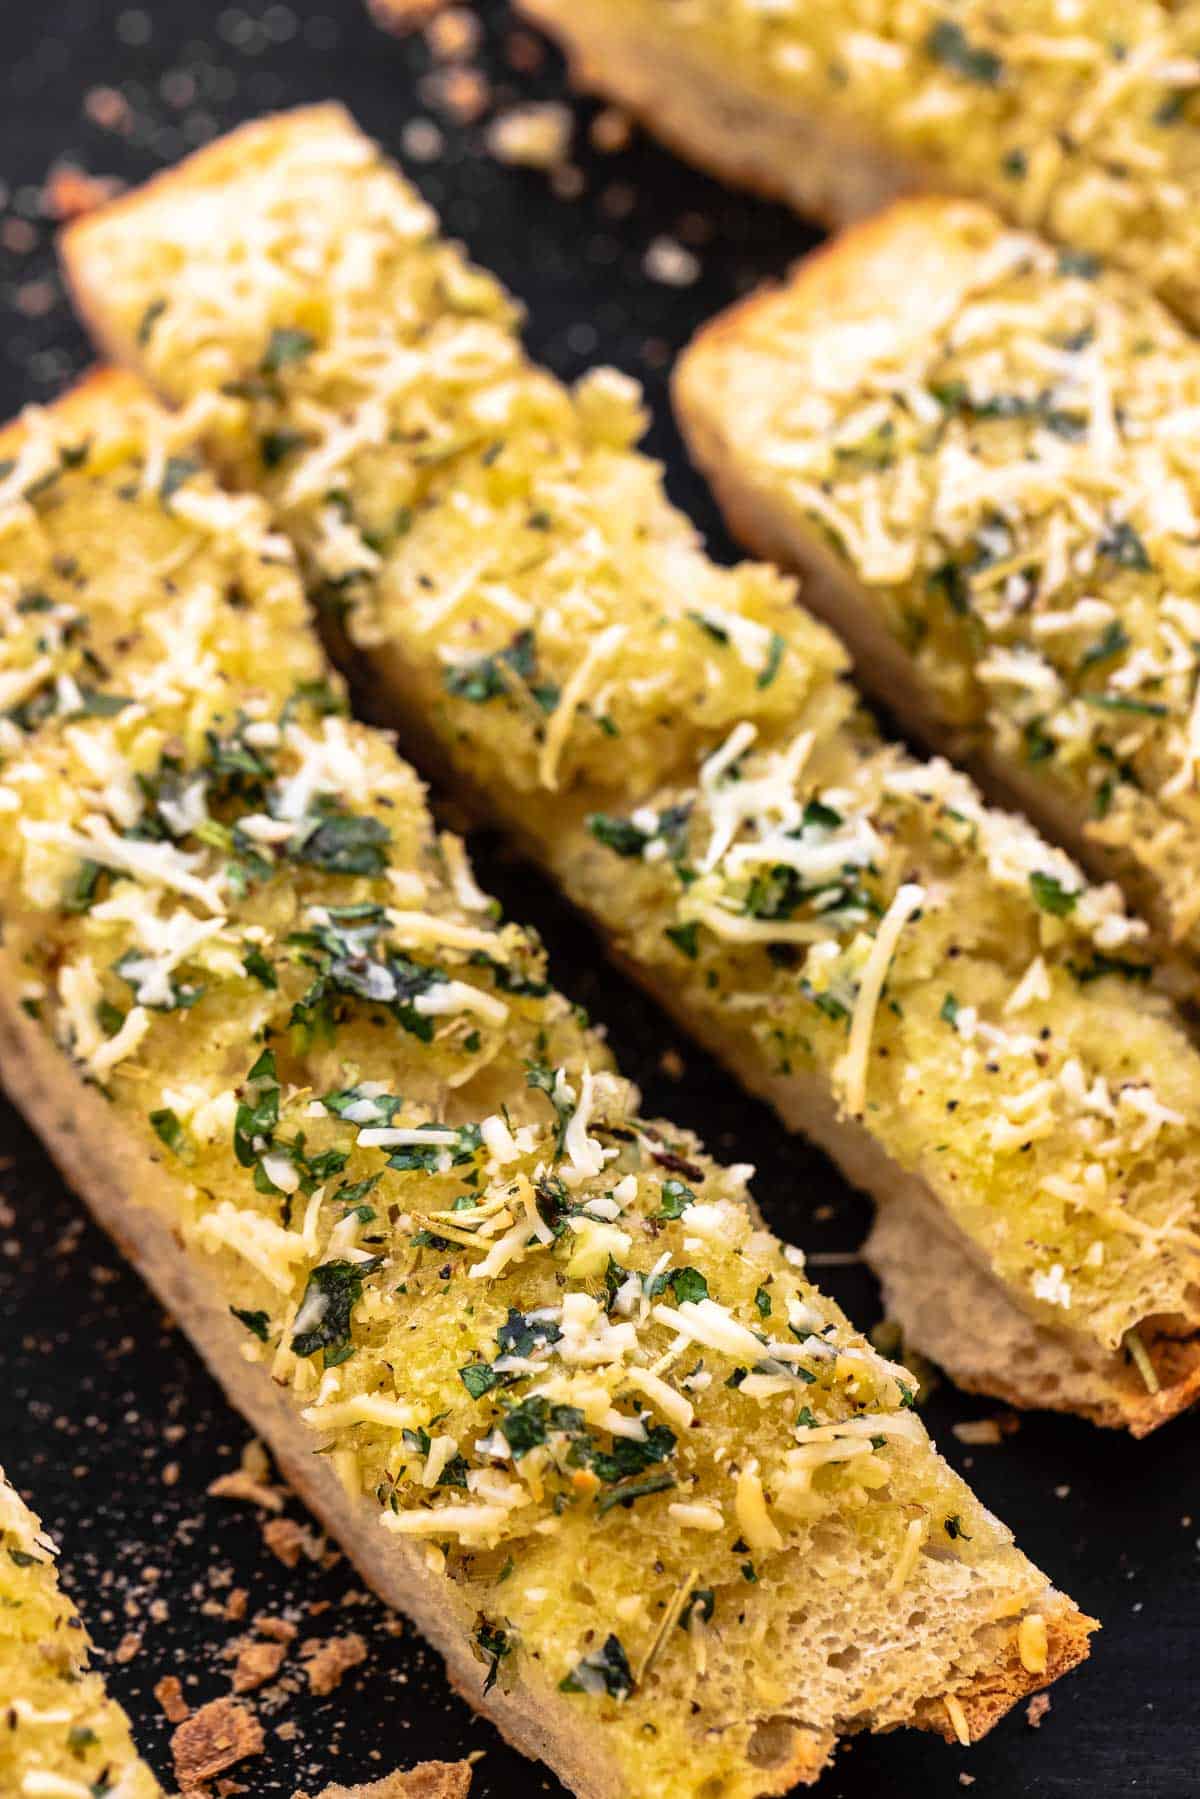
(108, 1422)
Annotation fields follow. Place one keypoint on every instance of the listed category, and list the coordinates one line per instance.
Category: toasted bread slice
(986, 485)
(677, 744)
(61, 1734)
(530, 1356)
(838, 110)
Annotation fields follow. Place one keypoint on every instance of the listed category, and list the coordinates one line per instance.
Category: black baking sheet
(107, 1420)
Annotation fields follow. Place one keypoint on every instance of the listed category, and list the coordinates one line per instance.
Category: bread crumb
(235, 1605)
(460, 91)
(279, 1628)
(326, 1662)
(672, 1064)
(985, 1432)
(403, 16)
(213, 1739)
(128, 1647)
(69, 192)
(668, 261)
(453, 34)
(979, 1432)
(524, 52)
(610, 131)
(288, 1540)
(169, 1693)
(536, 136)
(239, 1483)
(421, 140)
(257, 1662)
(1036, 1710)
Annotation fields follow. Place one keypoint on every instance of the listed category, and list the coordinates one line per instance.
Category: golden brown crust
(997, 1689)
(428, 1780)
(212, 166)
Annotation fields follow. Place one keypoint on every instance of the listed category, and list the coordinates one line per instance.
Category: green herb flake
(167, 1128)
(285, 346)
(948, 44)
(257, 1323)
(1051, 895)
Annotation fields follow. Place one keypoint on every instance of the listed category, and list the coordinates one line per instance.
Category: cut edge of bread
(812, 161)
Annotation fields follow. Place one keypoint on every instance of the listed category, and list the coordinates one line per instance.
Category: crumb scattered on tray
(240, 1484)
(257, 1663)
(402, 16)
(213, 1739)
(985, 1432)
(326, 1661)
(70, 192)
(670, 262)
(537, 136)
(1036, 1710)
(289, 1540)
(169, 1693)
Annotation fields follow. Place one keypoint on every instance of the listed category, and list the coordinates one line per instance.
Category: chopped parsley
(323, 1321)
(285, 346)
(257, 1323)
(948, 44)
(1051, 895)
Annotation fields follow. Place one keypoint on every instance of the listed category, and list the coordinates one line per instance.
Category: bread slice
(529, 1356)
(521, 600)
(1070, 683)
(60, 1733)
(838, 110)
